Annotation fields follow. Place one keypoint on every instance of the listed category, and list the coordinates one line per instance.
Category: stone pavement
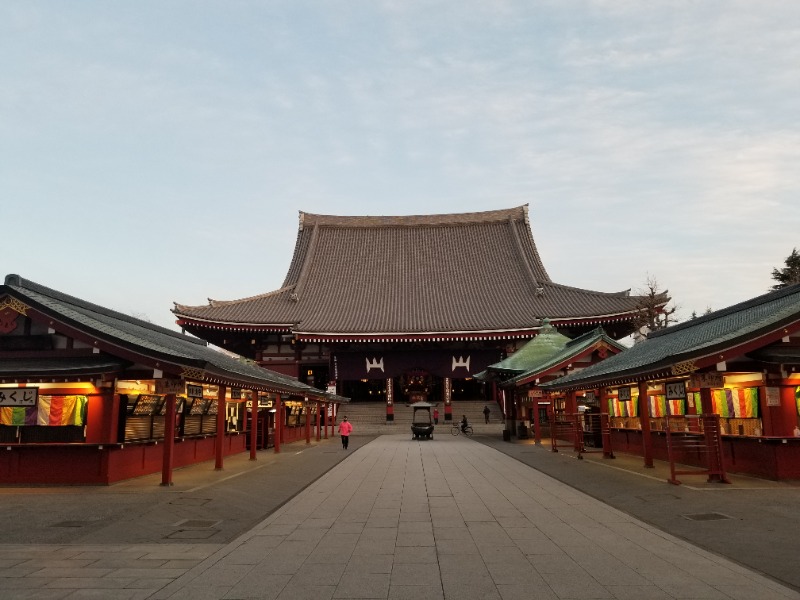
(451, 518)
(753, 521)
(447, 518)
(128, 540)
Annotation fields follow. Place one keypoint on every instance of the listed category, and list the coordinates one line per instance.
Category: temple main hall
(398, 309)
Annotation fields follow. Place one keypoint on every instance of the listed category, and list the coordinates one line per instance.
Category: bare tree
(788, 275)
(653, 309)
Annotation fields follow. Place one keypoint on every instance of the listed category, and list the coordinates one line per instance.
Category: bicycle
(456, 429)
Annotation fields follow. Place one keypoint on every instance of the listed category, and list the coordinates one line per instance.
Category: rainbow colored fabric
(741, 403)
(51, 410)
(658, 405)
(698, 402)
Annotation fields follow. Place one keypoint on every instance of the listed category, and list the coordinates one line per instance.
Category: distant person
(464, 423)
(345, 428)
(435, 416)
(486, 413)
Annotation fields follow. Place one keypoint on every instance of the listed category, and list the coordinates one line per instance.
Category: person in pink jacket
(344, 430)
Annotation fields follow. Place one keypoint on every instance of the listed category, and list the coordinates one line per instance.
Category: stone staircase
(369, 418)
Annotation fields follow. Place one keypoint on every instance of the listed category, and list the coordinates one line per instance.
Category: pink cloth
(345, 428)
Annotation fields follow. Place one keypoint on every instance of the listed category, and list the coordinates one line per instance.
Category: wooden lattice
(684, 367)
(191, 374)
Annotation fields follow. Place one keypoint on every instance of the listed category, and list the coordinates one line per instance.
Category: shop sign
(332, 387)
(589, 397)
(624, 394)
(236, 393)
(773, 396)
(19, 396)
(706, 380)
(194, 391)
(535, 393)
(676, 390)
(170, 386)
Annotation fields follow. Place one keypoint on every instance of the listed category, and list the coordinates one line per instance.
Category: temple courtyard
(390, 518)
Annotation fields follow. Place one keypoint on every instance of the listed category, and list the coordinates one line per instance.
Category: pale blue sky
(159, 151)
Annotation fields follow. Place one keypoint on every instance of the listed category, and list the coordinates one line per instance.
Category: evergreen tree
(788, 275)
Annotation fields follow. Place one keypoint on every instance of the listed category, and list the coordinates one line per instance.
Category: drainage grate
(192, 534)
(84, 523)
(191, 501)
(713, 516)
(196, 524)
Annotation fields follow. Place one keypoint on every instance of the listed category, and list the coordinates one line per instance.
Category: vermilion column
(169, 440)
(220, 439)
(327, 419)
(319, 421)
(253, 425)
(537, 425)
(644, 419)
(307, 409)
(278, 422)
(766, 413)
(605, 428)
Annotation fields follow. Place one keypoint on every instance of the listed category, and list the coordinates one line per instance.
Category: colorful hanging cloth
(51, 411)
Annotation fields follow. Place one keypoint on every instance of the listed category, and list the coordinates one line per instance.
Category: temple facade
(406, 308)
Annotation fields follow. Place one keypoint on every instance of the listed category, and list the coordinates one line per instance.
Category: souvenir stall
(92, 396)
(740, 364)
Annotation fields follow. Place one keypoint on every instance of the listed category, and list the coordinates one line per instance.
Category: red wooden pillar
(644, 419)
(605, 425)
(278, 423)
(537, 425)
(253, 425)
(319, 421)
(222, 407)
(325, 407)
(307, 409)
(766, 412)
(570, 404)
(169, 440)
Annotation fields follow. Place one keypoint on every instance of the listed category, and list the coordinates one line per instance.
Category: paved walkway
(452, 518)
(447, 518)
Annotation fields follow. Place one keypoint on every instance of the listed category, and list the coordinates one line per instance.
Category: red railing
(699, 441)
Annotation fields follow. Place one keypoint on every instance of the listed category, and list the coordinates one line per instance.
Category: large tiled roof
(471, 272)
(702, 340)
(139, 338)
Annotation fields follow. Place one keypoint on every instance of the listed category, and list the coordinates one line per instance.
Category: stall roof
(122, 337)
(745, 328)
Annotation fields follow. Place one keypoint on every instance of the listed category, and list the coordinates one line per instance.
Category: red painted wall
(762, 457)
(93, 465)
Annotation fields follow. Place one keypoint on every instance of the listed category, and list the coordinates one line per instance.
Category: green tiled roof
(548, 343)
(698, 339)
(573, 348)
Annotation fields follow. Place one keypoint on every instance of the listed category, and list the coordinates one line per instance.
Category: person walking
(435, 416)
(486, 413)
(345, 428)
